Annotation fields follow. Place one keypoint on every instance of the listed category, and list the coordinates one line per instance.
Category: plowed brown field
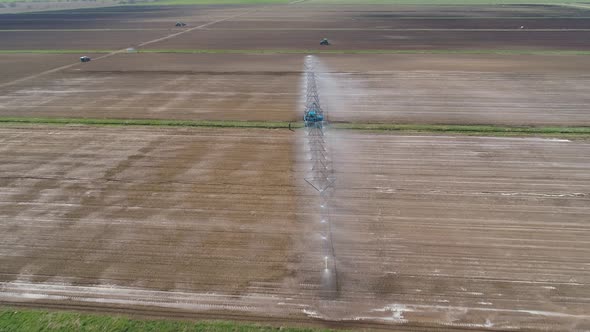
(477, 89)
(424, 232)
(464, 232)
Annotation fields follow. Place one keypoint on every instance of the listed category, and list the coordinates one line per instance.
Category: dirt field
(52, 5)
(424, 232)
(515, 90)
(463, 229)
(76, 40)
(380, 17)
(389, 40)
(302, 26)
(126, 191)
(465, 232)
(168, 93)
(122, 17)
(376, 27)
(303, 16)
(15, 66)
(480, 89)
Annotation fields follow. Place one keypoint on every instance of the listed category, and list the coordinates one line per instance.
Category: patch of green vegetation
(332, 51)
(476, 130)
(78, 30)
(36, 320)
(175, 2)
(335, 2)
(149, 122)
(213, 2)
(446, 2)
(311, 51)
(44, 1)
(55, 51)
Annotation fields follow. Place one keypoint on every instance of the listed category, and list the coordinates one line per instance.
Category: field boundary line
(575, 5)
(302, 51)
(81, 30)
(374, 51)
(151, 122)
(409, 29)
(485, 130)
(55, 51)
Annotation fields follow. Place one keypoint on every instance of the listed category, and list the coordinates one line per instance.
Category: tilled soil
(215, 87)
(301, 26)
(473, 231)
(166, 210)
(386, 27)
(512, 90)
(434, 88)
(119, 17)
(305, 16)
(387, 40)
(16, 66)
(76, 40)
(426, 230)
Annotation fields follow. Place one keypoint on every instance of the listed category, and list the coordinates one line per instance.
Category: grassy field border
(475, 130)
(150, 122)
(30, 320)
(311, 51)
(352, 2)
(472, 130)
(214, 2)
(445, 2)
(329, 51)
(54, 51)
(174, 2)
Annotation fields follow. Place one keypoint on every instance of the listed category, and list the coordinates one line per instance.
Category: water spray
(320, 176)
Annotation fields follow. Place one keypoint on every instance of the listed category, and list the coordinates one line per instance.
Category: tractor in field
(84, 59)
(325, 42)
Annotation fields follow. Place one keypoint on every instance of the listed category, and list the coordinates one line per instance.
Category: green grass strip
(86, 30)
(310, 51)
(349, 2)
(211, 2)
(444, 2)
(332, 51)
(151, 122)
(25, 320)
(482, 130)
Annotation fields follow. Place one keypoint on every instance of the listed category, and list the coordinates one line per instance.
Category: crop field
(173, 180)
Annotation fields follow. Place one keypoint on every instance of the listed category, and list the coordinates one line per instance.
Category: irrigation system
(321, 174)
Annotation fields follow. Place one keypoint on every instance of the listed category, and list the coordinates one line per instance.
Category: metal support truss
(321, 175)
